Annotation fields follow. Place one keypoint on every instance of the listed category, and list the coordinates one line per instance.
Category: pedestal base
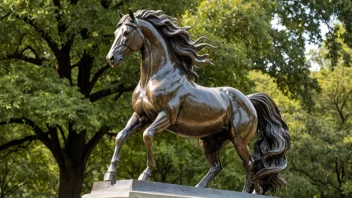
(144, 189)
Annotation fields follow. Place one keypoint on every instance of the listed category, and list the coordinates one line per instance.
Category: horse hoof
(200, 186)
(144, 177)
(110, 176)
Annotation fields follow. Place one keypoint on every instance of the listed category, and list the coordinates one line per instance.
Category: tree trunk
(72, 159)
(71, 181)
(72, 163)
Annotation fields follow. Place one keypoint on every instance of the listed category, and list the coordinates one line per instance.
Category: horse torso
(195, 111)
(203, 111)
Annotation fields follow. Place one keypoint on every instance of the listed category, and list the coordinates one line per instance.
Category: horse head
(128, 38)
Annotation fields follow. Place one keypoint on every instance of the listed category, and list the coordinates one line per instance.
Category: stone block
(145, 189)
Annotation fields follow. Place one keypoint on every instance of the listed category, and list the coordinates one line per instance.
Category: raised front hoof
(110, 176)
(200, 185)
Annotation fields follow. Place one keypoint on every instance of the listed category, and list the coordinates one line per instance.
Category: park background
(61, 105)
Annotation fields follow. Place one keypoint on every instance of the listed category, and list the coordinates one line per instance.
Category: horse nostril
(112, 58)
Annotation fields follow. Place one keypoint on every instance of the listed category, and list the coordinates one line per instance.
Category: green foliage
(320, 156)
(57, 90)
(247, 41)
(29, 92)
(30, 172)
(324, 136)
(308, 15)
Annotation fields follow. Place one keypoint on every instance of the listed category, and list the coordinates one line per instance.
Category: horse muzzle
(114, 60)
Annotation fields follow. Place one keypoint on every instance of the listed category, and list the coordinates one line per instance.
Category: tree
(30, 172)
(306, 17)
(247, 41)
(52, 67)
(320, 157)
(58, 88)
(7, 187)
(325, 147)
(328, 128)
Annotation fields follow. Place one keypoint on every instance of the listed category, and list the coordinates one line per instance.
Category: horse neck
(156, 54)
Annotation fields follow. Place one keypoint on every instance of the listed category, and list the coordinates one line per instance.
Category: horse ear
(120, 14)
(131, 15)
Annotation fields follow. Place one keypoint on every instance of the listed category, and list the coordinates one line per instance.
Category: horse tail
(272, 143)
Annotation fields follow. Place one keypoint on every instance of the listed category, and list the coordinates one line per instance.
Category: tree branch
(342, 171)
(20, 56)
(84, 73)
(344, 103)
(36, 61)
(15, 187)
(4, 174)
(117, 5)
(61, 27)
(97, 75)
(340, 112)
(315, 180)
(118, 96)
(55, 145)
(112, 135)
(89, 163)
(74, 2)
(106, 92)
(62, 133)
(18, 142)
(308, 175)
(43, 137)
(31, 49)
(6, 15)
(53, 46)
(106, 4)
(89, 171)
(20, 41)
(87, 186)
(94, 141)
(54, 137)
(76, 64)
(6, 190)
(57, 3)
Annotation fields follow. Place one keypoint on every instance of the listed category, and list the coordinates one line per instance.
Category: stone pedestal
(144, 189)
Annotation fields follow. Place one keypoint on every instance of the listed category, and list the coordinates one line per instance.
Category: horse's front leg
(134, 125)
(161, 123)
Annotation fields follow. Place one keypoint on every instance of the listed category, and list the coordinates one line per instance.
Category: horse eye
(126, 33)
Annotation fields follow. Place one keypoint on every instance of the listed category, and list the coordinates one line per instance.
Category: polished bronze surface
(167, 98)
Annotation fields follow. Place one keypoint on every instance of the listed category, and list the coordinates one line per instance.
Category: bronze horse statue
(167, 98)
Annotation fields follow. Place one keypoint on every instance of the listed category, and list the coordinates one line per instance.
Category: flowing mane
(180, 40)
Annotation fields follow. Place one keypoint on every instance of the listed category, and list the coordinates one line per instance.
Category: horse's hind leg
(244, 153)
(211, 146)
